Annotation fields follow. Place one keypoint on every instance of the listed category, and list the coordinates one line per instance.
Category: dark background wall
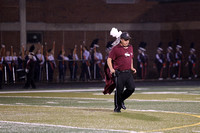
(169, 14)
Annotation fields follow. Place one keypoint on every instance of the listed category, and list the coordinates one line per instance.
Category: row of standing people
(12, 67)
(168, 66)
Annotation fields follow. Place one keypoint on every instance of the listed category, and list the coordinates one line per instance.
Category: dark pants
(1, 76)
(62, 71)
(99, 74)
(73, 70)
(170, 69)
(159, 67)
(191, 70)
(30, 80)
(50, 72)
(123, 79)
(178, 70)
(9, 73)
(84, 72)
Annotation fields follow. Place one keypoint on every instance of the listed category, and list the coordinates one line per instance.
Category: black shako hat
(192, 47)
(109, 45)
(94, 43)
(32, 48)
(178, 44)
(49, 51)
(170, 46)
(142, 46)
(125, 36)
(160, 46)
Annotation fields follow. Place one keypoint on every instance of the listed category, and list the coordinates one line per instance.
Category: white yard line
(166, 92)
(39, 91)
(72, 107)
(62, 126)
(107, 99)
(95, 90)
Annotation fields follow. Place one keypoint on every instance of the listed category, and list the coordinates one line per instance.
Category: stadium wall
(72, 22)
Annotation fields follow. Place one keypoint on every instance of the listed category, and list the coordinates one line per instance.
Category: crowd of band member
(14, 68)
(170, 65)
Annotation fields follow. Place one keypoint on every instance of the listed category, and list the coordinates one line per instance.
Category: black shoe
(117, 110)
(123, 106)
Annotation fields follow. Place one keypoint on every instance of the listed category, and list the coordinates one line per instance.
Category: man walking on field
(120, 63)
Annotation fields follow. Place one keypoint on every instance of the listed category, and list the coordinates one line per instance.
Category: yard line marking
(166, 92)
(170, 92)
(73, 107)
(107, 99)
(39, 91)
(178, 127)
(63, 126)
(85, 98)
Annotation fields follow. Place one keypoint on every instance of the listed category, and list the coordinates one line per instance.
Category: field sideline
(155, 109)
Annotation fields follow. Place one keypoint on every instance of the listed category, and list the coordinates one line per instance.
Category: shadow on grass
(129, 115)
(137, 116)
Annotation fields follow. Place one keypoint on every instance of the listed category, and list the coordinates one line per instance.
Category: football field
(153, 109)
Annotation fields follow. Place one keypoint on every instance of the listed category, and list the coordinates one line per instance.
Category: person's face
(158, 51)
(168, 50)
(39, 52)
(139, 51)
(177, 49)
(191, 52)
(125, 42)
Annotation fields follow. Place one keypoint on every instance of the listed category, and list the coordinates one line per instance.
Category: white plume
(115, 33)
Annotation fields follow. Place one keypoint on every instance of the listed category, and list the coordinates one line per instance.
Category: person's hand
(112, 71)
(26, 70)
(133, 70)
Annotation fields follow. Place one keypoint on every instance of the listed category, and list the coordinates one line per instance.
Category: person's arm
(132, 68)
(109, 62)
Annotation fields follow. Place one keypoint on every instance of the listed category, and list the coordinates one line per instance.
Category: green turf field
(151, 109)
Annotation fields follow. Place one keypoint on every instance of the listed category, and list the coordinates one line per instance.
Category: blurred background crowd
(71, 38)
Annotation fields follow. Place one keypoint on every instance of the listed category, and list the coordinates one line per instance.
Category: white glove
(26, 70)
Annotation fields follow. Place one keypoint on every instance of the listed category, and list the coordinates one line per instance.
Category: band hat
(32, 48)
(96, 45)
(31, 53)
(125, 36)
(178, 46)
(159, 46)
(94, 42)
(192, 47)
(109, 45)
(160, 49)
(142, 46)
(115, 33)
(142, 49)
(170, 46)
(49, 51)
